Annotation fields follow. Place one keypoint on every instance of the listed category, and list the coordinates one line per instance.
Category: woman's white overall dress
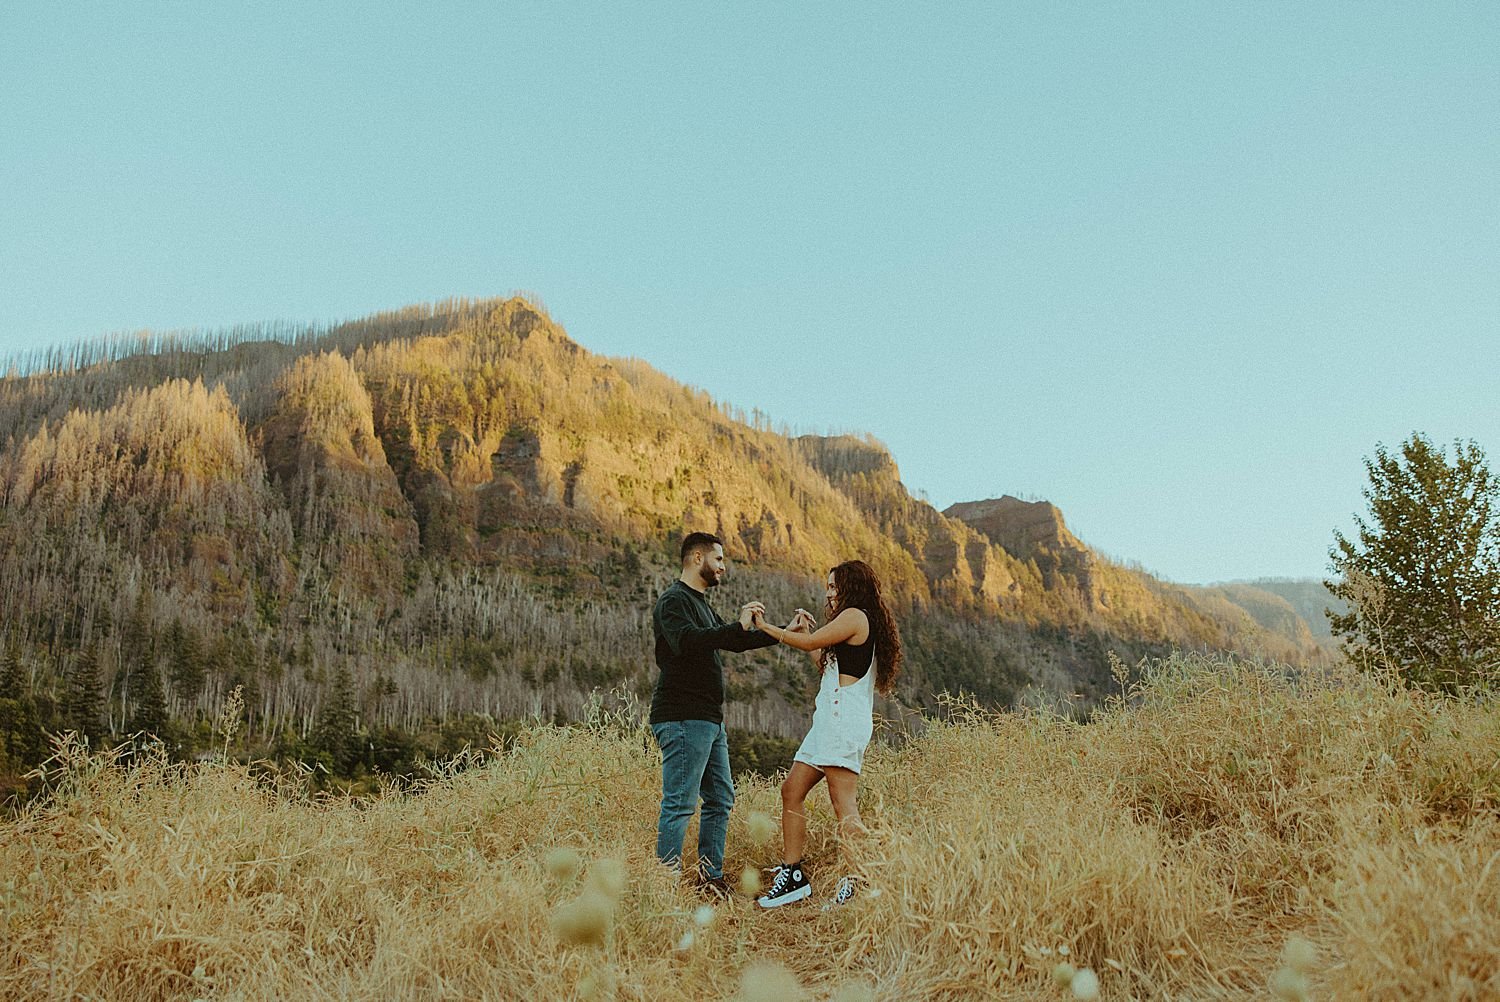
(843, 720)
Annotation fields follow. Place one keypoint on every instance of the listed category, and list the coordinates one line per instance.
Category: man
(687, 708)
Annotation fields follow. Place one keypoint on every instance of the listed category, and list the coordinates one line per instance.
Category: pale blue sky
(1174, 267)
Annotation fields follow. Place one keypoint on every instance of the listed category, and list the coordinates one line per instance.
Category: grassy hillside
(1174, 846)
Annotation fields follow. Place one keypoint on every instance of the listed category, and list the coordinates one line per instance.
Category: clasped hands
(753, 615)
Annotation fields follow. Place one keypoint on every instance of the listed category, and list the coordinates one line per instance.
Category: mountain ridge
(468, 512)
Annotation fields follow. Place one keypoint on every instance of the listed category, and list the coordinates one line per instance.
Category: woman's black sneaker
(790, 884)
(848, 887)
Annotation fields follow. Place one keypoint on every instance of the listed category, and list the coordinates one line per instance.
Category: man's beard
(710, 578)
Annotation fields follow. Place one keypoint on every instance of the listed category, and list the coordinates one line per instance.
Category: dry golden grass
(1228, 831)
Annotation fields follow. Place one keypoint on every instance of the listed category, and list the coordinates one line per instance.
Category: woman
(859, 651)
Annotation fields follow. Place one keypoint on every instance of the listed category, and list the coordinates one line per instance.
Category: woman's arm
(845, 625)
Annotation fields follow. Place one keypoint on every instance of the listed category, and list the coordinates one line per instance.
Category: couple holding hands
(857, 650)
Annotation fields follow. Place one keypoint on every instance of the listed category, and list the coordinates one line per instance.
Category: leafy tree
(1422, 578)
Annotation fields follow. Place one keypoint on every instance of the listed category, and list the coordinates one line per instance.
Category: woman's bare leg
(843, 787)
(794, 790)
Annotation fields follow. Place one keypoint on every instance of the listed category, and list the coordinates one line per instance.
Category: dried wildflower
(766, 981)
(1085, 984)
(597, 984)
(1063, 973)
(750, 884)
(1299, 955)
(853, 991)
(762, 828)
(1289, 985)
(586, 920)
(563, 863)
(607, 876)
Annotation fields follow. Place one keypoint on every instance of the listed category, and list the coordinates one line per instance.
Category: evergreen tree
(83, 701)
(1422, 578)
(23, 739)
(12, 676)
(137, 654)
(335, 732)
(149, 714)
(187, 665)
(136, 647)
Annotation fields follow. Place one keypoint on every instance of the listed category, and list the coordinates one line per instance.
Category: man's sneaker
(790, 884)
(844, 894)
(714, 888)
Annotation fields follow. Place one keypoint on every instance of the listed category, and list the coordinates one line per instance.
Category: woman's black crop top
(854, 660)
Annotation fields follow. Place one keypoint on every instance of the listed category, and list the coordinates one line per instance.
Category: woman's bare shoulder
(856, 618)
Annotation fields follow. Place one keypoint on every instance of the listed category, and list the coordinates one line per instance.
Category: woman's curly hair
(855, 586)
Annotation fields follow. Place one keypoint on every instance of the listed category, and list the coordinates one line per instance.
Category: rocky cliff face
(958, 563)
(1127, 600)
(322, 453)
(1035, 531)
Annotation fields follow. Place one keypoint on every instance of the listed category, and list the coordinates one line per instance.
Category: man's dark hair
(699, 541)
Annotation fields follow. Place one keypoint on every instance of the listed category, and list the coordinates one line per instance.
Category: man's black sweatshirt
(689, 637)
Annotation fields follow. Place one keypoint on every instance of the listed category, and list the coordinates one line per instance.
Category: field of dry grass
(1228, 831)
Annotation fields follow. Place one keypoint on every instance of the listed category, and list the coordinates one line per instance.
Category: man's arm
(747, 639)
(686, 637)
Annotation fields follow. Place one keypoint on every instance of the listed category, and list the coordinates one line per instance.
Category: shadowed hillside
(455, 509)
(1309, 598)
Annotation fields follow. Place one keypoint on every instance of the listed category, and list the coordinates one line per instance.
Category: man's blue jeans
(694, 766)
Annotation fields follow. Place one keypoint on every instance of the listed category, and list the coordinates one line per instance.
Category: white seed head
(853, 991)
(1085, 985)
(563, 863)
(1299, 955)
(750, 882)
(597, 984)
(1063, 973)
(704, 916)
(607, 876)
(762, 828)
(584, 921)
(767, 981)
(1289, 985)
(686, 942)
